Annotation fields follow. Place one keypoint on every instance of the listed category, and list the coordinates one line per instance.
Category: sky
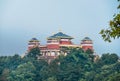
(21, 20)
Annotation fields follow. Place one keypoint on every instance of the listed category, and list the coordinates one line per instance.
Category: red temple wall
(65, 42)
(53, 46)
(87, 47)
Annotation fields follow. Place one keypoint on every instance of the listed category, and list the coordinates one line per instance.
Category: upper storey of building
(87, 43)
(34, 42)
(86, 40)
(59, 38)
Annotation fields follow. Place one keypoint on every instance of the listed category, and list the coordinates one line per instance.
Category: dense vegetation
(76, 66)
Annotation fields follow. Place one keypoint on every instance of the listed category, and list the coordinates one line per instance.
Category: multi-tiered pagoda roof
(86, 39)
(60, 35)
(34, 39)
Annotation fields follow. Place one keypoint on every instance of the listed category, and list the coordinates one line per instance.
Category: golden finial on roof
(53, 33)
(60, 30)
(86, 35)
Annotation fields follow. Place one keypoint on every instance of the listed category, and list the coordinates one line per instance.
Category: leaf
(102, 31)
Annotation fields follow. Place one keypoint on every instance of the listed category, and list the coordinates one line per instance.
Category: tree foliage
(76, 66)
(114, 30)
(24, 72)
(34, 52)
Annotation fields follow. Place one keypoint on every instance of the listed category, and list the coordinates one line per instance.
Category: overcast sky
(20, 20)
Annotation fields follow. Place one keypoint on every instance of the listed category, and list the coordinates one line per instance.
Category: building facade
(56, 42)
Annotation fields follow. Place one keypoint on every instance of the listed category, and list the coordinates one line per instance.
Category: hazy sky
(20, 20)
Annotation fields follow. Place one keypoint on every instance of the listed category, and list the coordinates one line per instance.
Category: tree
(109, 58)
(90, 75)
(115, 77)
(90, 54)
(45, 73)
(39, 64)
(24, 72)
(34, 52)
(4, 75)
(114, 30)
(117, 67)
(89, 51)
(52, 79)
